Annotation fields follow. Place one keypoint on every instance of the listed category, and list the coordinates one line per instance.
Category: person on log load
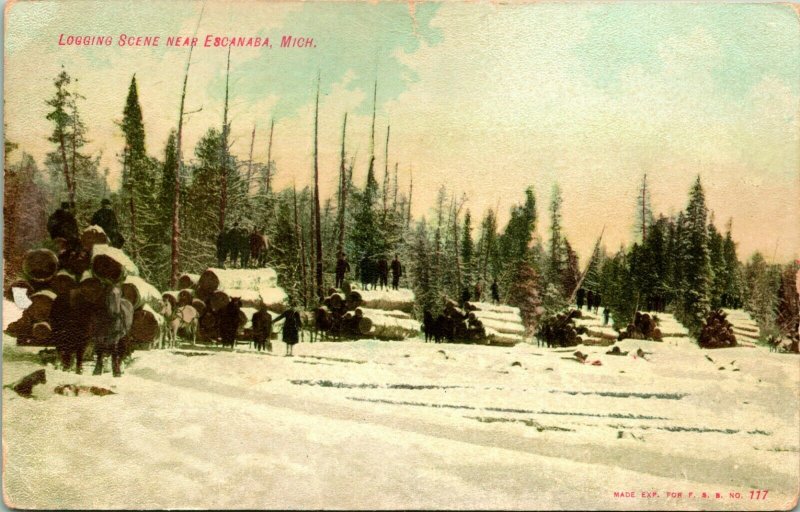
(581, 296)
(232, 241)
(365, 272)
(495, 292)
(111, 323)
(342, 268)
(589, 300)
(397, 272)
(222, 248)
(262, 328)
(291, 328)
(62, 224)
(243, 244)
(383, 272)
(107, 219)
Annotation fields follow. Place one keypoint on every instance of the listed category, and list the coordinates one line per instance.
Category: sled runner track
(656, 464)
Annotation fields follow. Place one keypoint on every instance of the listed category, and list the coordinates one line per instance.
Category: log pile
(493, 324)
(382, 315)
(211, 292)
(80, 276)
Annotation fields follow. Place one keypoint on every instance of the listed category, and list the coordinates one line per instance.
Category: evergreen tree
(572, 271)
(787, 314)
(644, 212)
(696, 261)
(524, 294)
(732, 293)
(467, 249)
(555, 265)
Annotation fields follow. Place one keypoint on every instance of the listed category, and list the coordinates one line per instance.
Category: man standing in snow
(397, 271)
(589, 301)
(222, 248)
(262, 328)
(291, 328)
(383, 272)
(495, 292)
(581, 295)
(365, 271)
(342, 268)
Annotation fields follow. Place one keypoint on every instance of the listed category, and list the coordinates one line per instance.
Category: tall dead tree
(317, 223)
(223, 189)
(342, 203)
(394, 201)
(250, 161)
(410, 190)
(300, 245)
(386, 174)
(176, 229)
(268, 184)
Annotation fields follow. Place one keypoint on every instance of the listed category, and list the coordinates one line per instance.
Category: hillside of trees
(173, 202)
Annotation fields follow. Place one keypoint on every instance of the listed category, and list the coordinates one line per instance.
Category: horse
(183, 318)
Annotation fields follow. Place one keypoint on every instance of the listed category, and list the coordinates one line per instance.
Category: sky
(485, 98)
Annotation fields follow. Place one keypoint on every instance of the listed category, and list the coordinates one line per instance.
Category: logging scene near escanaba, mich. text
(382, 255)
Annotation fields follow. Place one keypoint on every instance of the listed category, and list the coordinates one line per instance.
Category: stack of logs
(81, 274)
(359, 314)
(210, 292)
(484, 323)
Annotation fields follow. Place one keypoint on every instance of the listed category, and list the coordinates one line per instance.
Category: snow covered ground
(371, 424)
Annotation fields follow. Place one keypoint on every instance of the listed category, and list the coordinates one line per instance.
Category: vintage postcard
(401, 255)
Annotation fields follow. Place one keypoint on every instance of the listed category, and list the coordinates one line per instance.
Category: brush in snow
(24, 386)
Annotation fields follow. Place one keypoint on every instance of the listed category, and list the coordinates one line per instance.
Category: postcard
(401, 255)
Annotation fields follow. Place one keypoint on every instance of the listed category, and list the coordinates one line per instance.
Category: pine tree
(572, 271)
(787, 314)
(556, 263)
(696, 261)
(732, 293)
(644, 213)
(467, 248)
(524, 294)
(61, 130)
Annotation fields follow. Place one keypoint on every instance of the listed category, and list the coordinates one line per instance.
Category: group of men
(371, 272)
(62, 224)
(243, 248)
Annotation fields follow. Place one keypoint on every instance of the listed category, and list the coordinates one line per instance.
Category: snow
(245, 278)
(498, 308)
(372, 424)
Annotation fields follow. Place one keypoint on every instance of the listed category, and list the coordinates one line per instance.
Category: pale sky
(485, 98)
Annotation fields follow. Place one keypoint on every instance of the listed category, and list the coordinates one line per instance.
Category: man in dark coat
(397, 272)
(243, 245)
(589, 300)
(232, 243)
(229, 322)
(495, 292)
(581, 295)
(342, 268)
(222, 248)
(291, 328)
(383, 272)
(262, 328)
(365, 271)
(606, 315)
(107, 219)
(62, 224)
(258, 247)
(111, 323)
(597, 299)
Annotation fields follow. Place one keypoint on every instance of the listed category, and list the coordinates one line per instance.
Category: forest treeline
(173, 206)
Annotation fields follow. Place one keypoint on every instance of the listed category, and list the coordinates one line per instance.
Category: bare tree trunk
(131, 204)
(394, 201)
(176, 200)
(268, 186)
(250, 162)
(386, 174)
(317, 226)
(410, 190)
(223, 196)
(67, 178)
(301, 246)
(342, 189)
